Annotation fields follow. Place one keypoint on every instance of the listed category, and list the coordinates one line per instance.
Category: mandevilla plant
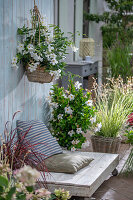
(72, 111)
(42, 45)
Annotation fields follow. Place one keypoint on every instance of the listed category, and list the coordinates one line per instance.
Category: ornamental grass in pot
(113, 103)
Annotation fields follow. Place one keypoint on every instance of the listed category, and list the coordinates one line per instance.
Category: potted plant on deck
(72, 110)
(42, 49)
(113, 104)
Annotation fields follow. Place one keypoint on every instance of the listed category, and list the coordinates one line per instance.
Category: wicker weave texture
(105, 145)
(40, 76)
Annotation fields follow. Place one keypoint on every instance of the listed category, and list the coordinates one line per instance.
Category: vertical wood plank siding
(16, 92)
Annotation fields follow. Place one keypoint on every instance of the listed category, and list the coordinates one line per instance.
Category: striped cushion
(38, 137)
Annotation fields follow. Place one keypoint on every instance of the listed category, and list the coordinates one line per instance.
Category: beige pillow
(67, 162)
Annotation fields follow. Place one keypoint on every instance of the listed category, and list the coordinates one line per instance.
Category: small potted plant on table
(113, 105)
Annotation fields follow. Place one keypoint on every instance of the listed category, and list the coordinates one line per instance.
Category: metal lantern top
(86, 47)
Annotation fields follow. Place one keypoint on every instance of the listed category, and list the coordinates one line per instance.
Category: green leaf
(2, 198)
(21, 196)
(30, 188)
(10, 193)
(3, 181)
(1, 190)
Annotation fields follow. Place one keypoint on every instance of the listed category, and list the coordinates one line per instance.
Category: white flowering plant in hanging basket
(42, 47)
(72, 111)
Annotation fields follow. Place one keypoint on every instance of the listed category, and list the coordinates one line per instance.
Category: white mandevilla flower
(60, 116)
(98, 127)
(44, 21)
(14, 60)
(54, 62)
(93, 120)
(77, 85)
(71, 133)
(68, 110)
(71, 97)
(73, 142)
(32, 67)
(57, 74)
(79, 130)
(27, 175)
(51, 73)
(74, 49)
(63, 57)
(32, 33)
(77, 141)
(25, 52)
(64, 95)
(89, 103)
(20, 47)
(85, 144)
(50, 48)
(52, 56)
(73, 149)
(30, 48)
(55, 105)
(14, 63)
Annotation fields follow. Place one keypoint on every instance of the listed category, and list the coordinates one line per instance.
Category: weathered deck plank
(86, 181)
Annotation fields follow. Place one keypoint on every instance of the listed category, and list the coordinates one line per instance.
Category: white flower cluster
(73, 149)
(77, 85)
(27, 175)
(85, 144)
(60, 116)
(89, 103)
(56, 74)
(93, 119)
(71, 97)
(79, 130)
(75, 142)
(74, 48)
(33, 66)
(98, 127)
(68, 110)
(71, 133)
(14, 63)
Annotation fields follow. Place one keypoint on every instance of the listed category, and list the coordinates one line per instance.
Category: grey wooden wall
(16, 93)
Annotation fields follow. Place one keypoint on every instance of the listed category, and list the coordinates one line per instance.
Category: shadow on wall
(35, 109)
(46, 112)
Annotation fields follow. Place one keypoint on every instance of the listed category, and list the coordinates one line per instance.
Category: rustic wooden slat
(16, 93)
(86, 181)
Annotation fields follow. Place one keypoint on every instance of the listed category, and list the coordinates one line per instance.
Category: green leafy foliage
(11, 193)
(129, 135)
(120, 61)
(118, 22)
(3, 182)
(71, 115)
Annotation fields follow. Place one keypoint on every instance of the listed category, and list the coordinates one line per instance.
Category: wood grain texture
(87, 180)
(16, 92)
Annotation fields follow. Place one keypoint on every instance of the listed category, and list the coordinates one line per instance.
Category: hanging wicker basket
(39, 75)
(105, 145)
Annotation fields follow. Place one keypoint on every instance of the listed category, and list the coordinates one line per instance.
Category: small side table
(85, 70)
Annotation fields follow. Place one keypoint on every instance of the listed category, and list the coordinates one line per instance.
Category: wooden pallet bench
(87, 180)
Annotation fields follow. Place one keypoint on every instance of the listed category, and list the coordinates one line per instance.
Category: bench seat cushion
(66, 163)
